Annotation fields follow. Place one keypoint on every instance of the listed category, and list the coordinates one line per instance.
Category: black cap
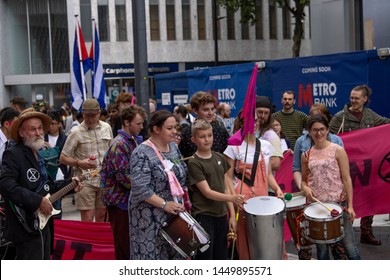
(263, 102)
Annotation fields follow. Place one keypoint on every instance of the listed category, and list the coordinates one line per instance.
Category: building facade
(38, 35)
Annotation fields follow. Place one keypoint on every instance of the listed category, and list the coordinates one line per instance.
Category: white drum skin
(264, 205)
(296, 201)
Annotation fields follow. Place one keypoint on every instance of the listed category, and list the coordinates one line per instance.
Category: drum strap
(251, 181)
(176, 189)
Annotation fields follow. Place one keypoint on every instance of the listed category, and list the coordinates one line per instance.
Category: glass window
(85, 19)
(186, 17)
(18, 58)
(120, 17)
(244, 29)
(201, 20)
(259, 20)
(41, 47)
(154, 20)
(103, 21)
(171, 30)
(39, 36)
(59, 36)
(272, 21)
(286, 23)
(230, 26)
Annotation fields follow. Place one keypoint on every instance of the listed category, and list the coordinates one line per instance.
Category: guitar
(33, 222)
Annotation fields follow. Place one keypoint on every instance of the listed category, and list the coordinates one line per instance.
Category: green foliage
(248, 8)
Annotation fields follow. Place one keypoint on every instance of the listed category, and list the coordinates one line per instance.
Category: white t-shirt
(3, 139)
(238, 152)
(283, 143)
(52, 141)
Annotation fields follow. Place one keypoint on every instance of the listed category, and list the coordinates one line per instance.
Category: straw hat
(28, 114)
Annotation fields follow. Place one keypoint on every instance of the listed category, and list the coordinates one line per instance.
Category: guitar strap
(44, 177)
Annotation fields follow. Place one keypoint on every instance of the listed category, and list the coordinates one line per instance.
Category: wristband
(164, 204)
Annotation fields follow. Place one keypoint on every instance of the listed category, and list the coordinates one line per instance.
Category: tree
(248, 8)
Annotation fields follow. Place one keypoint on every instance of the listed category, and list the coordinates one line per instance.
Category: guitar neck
(56, 196)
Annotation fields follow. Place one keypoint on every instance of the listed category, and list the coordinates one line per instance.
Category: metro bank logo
(324, 93)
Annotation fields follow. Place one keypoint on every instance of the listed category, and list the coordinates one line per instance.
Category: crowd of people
(147, 172)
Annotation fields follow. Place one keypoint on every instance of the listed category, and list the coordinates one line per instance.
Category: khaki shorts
(89, 198)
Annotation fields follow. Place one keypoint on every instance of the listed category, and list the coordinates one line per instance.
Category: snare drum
(320, 226)
(183, 236)
(265, 225)
(294, 210)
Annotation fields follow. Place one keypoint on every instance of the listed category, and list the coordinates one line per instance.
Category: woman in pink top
(325, 176)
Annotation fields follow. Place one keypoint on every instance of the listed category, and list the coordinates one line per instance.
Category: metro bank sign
(326, 79)
(325, 93)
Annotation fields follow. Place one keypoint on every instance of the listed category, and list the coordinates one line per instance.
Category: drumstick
(333, 212)
(186, 158)
(289, 196)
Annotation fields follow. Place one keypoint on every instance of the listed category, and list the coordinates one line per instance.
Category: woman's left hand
(352, 214)
(174, 208)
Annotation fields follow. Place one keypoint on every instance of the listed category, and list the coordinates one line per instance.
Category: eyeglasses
(322, 130)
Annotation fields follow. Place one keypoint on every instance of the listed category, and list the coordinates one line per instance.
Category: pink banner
(369, 160)
(75, 240)
(369, 157)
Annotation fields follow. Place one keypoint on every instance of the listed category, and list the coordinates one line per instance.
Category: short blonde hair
(199, 124)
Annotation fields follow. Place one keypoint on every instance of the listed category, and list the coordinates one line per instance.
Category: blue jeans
(348, 242)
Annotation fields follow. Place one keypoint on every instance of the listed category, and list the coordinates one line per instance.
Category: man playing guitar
(22, 181)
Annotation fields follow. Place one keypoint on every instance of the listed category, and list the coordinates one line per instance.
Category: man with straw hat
(23, 179)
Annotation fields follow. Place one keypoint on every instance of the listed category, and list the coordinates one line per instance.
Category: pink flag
(248, 112)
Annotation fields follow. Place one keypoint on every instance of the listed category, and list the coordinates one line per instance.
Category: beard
(35, 144)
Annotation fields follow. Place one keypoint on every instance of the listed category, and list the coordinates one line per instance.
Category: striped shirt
(293, 124)
(83, 142)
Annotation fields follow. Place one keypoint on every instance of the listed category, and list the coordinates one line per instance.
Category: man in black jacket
(22, 182)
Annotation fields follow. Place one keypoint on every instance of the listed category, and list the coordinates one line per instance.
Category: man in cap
(22, 181)
(84, 149)
(265, 132)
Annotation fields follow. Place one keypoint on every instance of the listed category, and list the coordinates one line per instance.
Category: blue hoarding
(326, 79)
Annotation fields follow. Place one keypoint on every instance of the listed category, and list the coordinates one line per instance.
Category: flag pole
(93, 57)
(241, 185)
(248, 115)
(81, 58)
